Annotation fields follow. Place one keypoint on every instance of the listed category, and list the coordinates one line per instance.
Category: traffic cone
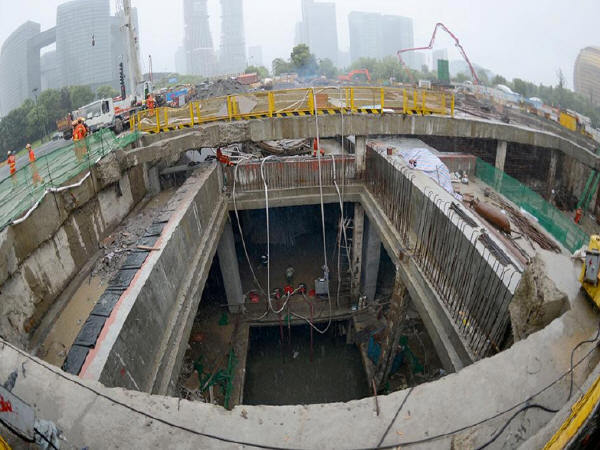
(316, 147)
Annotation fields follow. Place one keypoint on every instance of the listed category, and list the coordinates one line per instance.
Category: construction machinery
(590, 272)
(430, 46)
(356, 73)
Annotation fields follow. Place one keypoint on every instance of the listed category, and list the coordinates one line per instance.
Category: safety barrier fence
(24, 189)
(291, 173)
(296, 102)
(474, 285)
(553, 220)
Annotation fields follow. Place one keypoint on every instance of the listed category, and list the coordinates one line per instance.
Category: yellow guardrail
(296, 102)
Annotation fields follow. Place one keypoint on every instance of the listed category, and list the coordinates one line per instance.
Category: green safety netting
(21, 191)
(553, 220)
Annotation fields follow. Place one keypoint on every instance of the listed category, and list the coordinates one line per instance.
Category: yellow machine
(590, 272)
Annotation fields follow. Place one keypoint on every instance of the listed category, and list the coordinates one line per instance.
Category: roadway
(40, 151)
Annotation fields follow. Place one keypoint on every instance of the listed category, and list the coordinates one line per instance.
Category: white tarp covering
(422, 159)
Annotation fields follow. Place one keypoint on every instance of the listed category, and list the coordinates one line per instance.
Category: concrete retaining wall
(39, 256)
(143, 341)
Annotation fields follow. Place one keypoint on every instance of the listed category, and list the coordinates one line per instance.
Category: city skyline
(489, 46)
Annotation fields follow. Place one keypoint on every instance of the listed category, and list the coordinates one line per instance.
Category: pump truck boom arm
(430, 46)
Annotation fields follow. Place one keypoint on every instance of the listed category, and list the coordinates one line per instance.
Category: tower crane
(430, 46)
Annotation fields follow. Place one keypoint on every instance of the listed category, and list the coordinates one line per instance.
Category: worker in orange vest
(12, 163)
(33, 166)
(79, 134)
(317, 147)
(150, 102)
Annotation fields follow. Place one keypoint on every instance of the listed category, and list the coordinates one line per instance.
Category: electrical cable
(60, 374)
(235, 172)
(589, 341)
(387, 430)
(519, 411)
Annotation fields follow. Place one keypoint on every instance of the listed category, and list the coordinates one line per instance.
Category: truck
(108, 113)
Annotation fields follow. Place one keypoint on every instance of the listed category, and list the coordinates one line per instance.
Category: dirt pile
(219, 88)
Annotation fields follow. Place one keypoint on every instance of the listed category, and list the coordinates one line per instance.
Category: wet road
(40, 151)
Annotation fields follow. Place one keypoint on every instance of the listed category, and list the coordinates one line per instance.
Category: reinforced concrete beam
(230, 269)
(371, 254)
(501, 155)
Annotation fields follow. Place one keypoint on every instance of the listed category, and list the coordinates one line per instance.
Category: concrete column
(370, 266)
(152, 179)
(230, 269)
(391, 334)
(551, 178)
(501, 155)
(357, 245)
(360, 152)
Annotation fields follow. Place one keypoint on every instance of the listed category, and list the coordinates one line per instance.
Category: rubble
(219, 88)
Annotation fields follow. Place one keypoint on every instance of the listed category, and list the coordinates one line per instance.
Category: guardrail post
(415, 101)
(192, 113)
(166, 113)
(311, 102)
(382, 99)
(198, 112)
(139, 120)
(271, 98)
(404, 102)
(157, 120)
(229, 112)
(132, 121)
(452, 106)
(423, 106)
(352, 100)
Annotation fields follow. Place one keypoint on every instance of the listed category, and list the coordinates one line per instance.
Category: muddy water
(279, 374)
(64, 331)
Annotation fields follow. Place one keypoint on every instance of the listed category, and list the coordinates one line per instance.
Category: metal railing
(474, 285)
(296, 102)
(291, 173)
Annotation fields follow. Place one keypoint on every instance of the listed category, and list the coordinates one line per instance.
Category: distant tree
(483, 78)
(262, 71)
(106, 91)
(327, 68)
(80, 95)
(280, 66)
(303, 61)
(499, 79)
(461, 77)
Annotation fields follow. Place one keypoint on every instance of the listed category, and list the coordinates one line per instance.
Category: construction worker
(33, 166)
(150, 102)
(79, 134)
(12, 164)
(316, 147)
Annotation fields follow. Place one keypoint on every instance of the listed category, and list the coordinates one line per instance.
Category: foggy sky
(528, 39)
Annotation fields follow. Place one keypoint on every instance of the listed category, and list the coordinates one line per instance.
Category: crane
(430, 46)
(135, 73)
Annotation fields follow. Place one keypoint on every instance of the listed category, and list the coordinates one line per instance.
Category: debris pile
(219, 88)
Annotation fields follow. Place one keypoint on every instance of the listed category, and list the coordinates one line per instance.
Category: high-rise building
(255, 56)
(180, 61)
(198, 44)
(586, 76)
(19, 67)
(232, 58)
(90, 44)
(374, 35)
(318, 29)
(83, 43)
(436, 55)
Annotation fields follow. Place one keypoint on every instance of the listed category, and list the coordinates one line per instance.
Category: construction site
(307, 265)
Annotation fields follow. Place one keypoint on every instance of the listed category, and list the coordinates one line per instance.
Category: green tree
(281, 66)
(327, 68)
(106, 91)
(260, 70)
(304, 62)
(499, 79)
(461, 77)
(80, 95)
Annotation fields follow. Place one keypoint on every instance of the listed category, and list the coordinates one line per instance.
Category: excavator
(350, 76)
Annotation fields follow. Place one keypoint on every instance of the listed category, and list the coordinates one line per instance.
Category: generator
(590, 271)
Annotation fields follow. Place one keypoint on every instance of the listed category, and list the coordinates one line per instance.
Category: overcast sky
(530, 39)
